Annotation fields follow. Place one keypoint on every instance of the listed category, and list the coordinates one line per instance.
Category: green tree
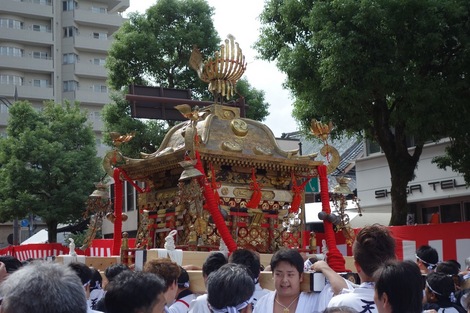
(155, 47)
(390, 70)
(48, 164)
(148, 133)
(254, 98)
(457, 155)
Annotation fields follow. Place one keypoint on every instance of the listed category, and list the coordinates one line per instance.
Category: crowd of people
(387, 285)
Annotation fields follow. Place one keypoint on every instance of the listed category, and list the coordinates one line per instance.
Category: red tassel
(297, 197)
(117, 212)
(256, 196)
(333, 257)
(213, 208)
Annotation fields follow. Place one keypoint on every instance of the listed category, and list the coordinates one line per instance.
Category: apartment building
(56, 50)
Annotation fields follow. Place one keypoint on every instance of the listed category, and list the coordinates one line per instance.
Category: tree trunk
(51, 231)
(402, 166)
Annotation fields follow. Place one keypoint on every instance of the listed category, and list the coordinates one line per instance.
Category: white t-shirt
(199, 305)
(182, 305)
(307, 303)
(360, 299)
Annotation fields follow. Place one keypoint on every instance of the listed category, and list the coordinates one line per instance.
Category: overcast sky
(240, 18)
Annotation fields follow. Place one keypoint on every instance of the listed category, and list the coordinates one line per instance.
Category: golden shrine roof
(221, 137)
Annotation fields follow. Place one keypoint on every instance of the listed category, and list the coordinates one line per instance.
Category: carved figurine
(72, 247)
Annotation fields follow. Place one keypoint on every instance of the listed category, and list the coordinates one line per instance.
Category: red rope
(213, 208)
(137, 187)
(117, 212)
(334, 258)
(214, 184)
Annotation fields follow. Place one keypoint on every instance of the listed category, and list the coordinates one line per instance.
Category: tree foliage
(254, 98)
(390, 70)
(148, 133)
(155, 47)
(48, 164)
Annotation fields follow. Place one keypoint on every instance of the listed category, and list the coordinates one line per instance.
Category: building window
(11, 23)
(69, 5)
(101, 36)
(446, 213)
(428, 212)
(466, 210)
(70, 85)
(99, 10)
(43, 83)
(43, 2)
(95, 115)
(40, 55)
(3, 108)
(11, 51)
(41, 28)
(130, 202)
(70, 58)
(100, 88)
(451, 213)
(70, 31)
(11, 80)
(100, 61)
(372, 147)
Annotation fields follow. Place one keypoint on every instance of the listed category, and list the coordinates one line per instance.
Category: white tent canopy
(41, 237)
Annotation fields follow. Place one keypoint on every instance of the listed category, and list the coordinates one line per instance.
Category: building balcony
(90, 44)
(26, 36)
(102, 20)
(87, 97)
(26, 63)
(116, 5)
(28, 92)
(84, 69)
(27, 8)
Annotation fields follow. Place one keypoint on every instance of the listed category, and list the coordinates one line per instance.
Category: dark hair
(442, 285)
(83, 271)
(249, 259)
(428, 255)
(113, 270)
(229, 286)
(290, 256)
(96, 279)
(448, 268)
(165, 268)
(403, 284)
(133, 292)
(373, 247)
(11, 263)
(183, 278)
(213, 262)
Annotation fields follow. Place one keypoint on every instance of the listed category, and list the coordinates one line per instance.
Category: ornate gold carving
(231, 146)
(224, 191)
(223, 70)
(262, 151)
(239, 127)
(334, 157)
(245, 193)
(257, 216)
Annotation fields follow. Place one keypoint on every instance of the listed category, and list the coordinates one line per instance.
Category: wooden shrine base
(197, 258)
